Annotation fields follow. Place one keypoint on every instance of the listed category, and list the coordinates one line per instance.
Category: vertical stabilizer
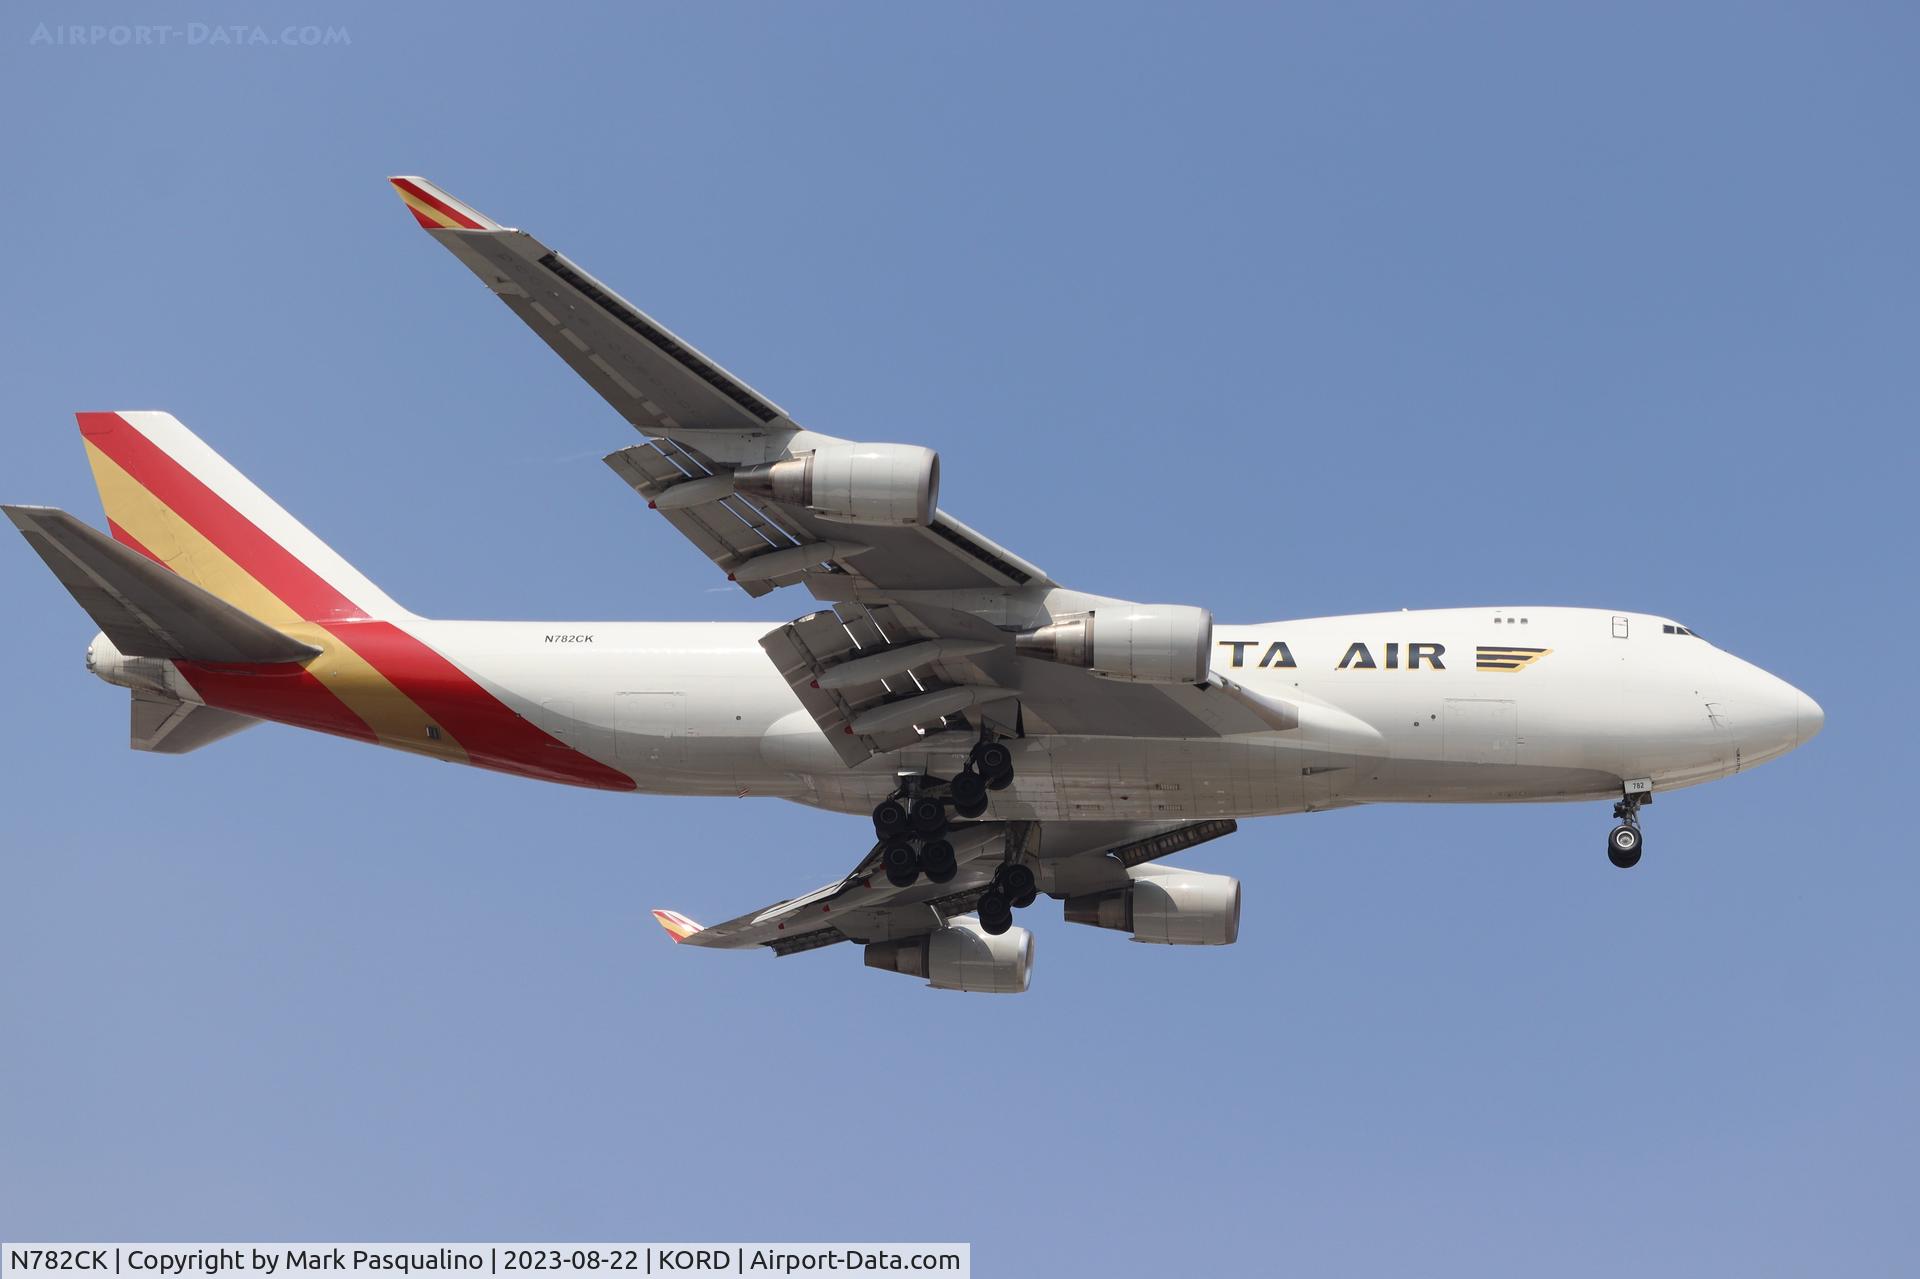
(173, 499)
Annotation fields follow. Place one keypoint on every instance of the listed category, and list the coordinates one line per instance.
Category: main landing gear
(912, 822)
(1623, 841)
(1013, 888)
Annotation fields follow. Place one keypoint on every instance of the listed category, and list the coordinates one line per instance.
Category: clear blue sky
(1283, 311)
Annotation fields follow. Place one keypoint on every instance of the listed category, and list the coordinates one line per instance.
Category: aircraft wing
(900, 668)
(862, 906)
(650, 376)
(703, 421)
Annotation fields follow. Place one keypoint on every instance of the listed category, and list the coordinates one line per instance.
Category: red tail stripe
(288, 695)
(491, 734)
(265, 560)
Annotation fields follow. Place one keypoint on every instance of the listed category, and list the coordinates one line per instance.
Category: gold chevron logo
(1500, 657)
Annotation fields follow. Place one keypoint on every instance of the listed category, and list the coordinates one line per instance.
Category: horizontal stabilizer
(168, 726)
(145, 609)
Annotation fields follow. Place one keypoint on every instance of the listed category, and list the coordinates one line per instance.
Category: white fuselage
(1397, 707)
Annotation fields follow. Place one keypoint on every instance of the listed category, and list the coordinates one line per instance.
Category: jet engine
(852, 483)
(961, 956)
(1171, 907)
(1151, 643)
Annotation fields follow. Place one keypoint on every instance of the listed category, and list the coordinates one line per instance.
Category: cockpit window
(1670, 629)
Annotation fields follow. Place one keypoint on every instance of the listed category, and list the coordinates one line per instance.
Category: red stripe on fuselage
(285, 694)
(494, 735)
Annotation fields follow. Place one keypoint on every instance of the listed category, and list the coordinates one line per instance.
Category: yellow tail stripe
(393, 716)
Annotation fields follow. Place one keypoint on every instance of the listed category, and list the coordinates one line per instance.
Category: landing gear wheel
(1016, 884)
(969, 795)
(889, 819)
(994, 762)
(1623, 846)
(1623, 841)
(901, 862)
(927, 815)
(937, 861)
(996, 913)
(992, 759)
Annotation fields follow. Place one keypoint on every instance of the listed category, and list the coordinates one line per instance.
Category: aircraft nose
(1767, 716)
(1808, 718)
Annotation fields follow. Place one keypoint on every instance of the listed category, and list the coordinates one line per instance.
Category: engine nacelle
(1151, 643)
(852, 483)
(961, 956)
(1170, 907)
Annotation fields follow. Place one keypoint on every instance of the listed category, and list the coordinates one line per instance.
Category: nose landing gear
(1623, 841)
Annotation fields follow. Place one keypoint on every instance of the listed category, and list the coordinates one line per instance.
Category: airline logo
(1359, 655)
(1501, 657)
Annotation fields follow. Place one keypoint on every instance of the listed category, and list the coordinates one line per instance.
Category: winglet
(435, 210)
(678, 926)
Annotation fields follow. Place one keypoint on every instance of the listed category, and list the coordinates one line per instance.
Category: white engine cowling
(1151, 643)
(1167, 906)
(961, 956)
(852, 483)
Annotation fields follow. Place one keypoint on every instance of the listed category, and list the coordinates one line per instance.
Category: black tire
(996, 914)
(1000, 780)
(889, 819)
(901, 862)
(991, 759)
(970, 811)
(969, 792)
(937, 860)
(1624, 846)
(927, 815)
(1017, 881)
